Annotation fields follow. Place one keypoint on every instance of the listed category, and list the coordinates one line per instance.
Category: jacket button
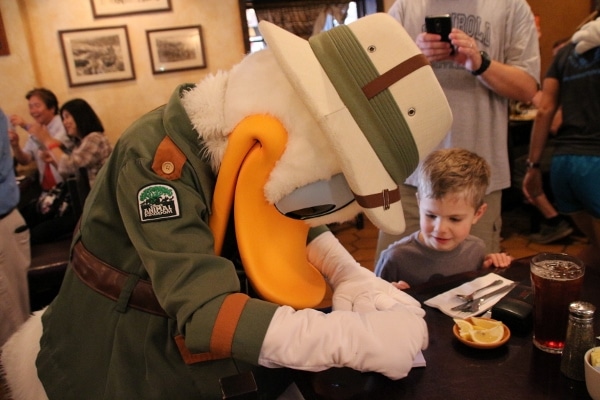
(167, 167)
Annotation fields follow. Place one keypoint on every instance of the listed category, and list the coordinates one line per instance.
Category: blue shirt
(9, 190)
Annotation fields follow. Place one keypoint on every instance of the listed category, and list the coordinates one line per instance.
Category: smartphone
(39, 144)
(440, 25)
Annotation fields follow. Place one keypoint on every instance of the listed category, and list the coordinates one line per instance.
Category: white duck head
(355, 109)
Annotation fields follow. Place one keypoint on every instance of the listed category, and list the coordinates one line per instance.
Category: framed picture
(112, 8)
(97, 55)
(176, 49)
(4, 51)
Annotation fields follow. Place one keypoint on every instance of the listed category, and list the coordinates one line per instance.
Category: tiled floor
(516, 227)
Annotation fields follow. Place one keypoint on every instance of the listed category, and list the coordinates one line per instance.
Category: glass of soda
(557, 279)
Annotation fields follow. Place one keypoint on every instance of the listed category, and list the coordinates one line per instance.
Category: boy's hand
(400, 285)
(498, 260)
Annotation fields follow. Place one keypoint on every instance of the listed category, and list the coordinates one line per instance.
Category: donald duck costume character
(259, 158)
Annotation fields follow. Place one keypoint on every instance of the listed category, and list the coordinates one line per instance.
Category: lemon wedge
(488, 336)
(485, 322)
(463, 324)
(480, 330)
(464, 328)
(595, 358)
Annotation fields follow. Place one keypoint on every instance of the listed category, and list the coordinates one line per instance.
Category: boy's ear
(479, 212)
(417, 196)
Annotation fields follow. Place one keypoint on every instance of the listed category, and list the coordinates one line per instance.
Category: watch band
(485, 64)
(532, 164)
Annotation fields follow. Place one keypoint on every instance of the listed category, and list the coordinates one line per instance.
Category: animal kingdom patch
(156, 202)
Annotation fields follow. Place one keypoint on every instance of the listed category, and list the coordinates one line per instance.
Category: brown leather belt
(124, 288)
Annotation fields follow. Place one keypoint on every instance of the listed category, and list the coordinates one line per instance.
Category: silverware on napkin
(473, 305)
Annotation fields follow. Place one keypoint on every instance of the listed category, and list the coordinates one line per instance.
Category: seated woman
(90, 151)
(92, 147)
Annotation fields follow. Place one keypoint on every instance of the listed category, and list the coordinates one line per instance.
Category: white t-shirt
(57, 131)
(506, 30)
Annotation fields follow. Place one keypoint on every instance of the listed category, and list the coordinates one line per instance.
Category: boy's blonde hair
(454, 171)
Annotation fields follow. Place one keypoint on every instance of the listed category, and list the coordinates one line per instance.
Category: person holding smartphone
(43, 108)
(491, 56)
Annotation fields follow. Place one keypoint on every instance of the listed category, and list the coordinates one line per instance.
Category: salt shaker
(580, 338)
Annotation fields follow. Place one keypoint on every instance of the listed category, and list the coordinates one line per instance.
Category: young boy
(452, 185)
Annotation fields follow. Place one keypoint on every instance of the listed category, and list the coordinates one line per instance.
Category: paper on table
(419, 360)
(445, 301)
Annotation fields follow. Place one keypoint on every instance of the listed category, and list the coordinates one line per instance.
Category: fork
(470, 297)
(474, 306)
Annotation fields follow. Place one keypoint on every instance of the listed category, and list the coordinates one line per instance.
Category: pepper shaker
(580, 338)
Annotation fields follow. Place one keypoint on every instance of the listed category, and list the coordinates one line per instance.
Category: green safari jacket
(96, 348)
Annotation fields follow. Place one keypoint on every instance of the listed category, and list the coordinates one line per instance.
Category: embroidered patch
(157, 202)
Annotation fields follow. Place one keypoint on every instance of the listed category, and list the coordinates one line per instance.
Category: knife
(485, 297)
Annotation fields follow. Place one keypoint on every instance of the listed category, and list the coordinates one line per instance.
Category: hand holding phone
(39, 144)
(440, 25)
(34, 130)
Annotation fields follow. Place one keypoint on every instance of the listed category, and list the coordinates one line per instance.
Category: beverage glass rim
(545, 256)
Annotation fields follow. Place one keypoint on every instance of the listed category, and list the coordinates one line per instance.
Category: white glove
(355, 288)
(587, 37)
(378, 341)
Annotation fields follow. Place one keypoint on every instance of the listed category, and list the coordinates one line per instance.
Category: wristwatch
(485, 63)
(531, 165)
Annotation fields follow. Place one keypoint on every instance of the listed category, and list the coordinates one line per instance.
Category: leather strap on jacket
(113, 283)
(221, 339)
(137, 293)
(383, 199)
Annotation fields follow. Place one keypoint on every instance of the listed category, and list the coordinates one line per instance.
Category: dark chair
(79, 187)
(49, 260)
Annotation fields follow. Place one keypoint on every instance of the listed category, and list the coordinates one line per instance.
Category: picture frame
(176, 49)
(4, 49)
(113, 8)
(97, 55)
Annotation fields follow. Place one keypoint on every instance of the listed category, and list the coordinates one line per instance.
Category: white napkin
(445, 301)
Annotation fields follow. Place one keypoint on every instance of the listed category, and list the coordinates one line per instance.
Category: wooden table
(517, 370)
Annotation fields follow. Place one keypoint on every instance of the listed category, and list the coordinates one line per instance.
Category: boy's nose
(440, 225)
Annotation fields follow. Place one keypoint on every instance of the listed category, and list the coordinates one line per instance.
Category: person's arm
(532, 183)
(53, 147)
(89, 152)
(17, 120)
(21, 156)
(355, 287)
(556, 122)
(506, 80)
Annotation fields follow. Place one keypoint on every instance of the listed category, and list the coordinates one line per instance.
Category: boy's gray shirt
(411, 261)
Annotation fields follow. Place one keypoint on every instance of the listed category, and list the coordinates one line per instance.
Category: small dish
(469, 343)
(592, 376)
